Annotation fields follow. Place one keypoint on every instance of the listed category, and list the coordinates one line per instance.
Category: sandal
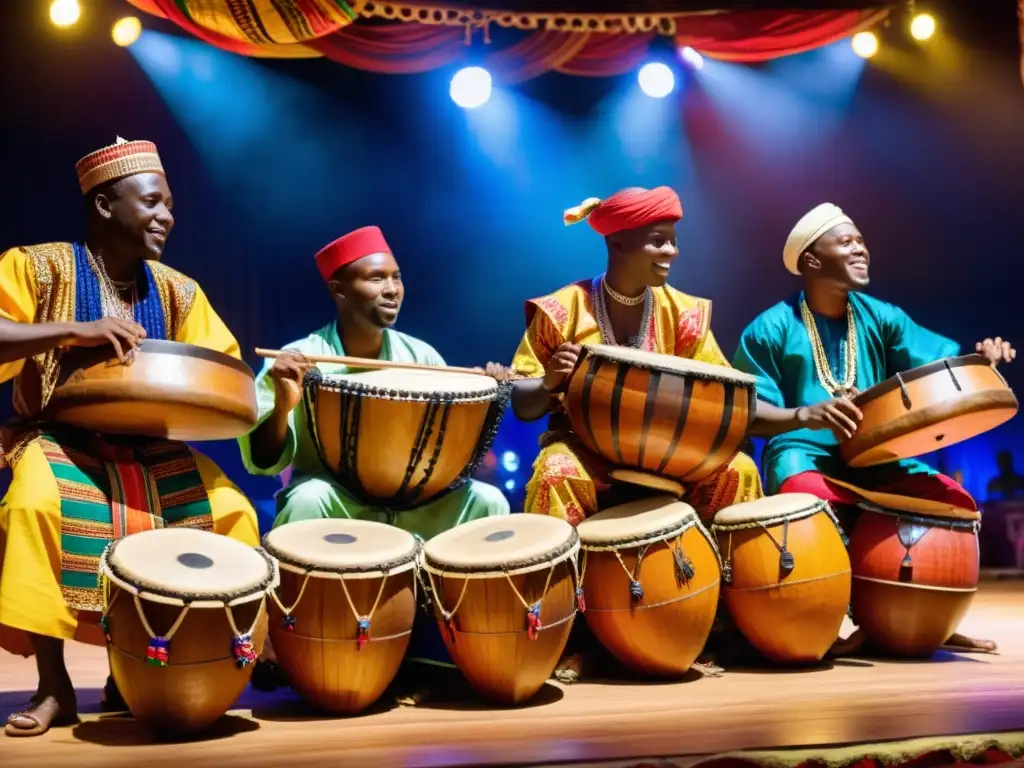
(38, 727)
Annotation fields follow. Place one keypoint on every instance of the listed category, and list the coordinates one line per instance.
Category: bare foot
(963, 643)
(708, 668)
(39, 717)
(570, 668)
(847, 647)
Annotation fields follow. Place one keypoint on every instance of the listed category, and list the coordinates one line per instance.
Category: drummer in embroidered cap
(110, 289)
(811, 352)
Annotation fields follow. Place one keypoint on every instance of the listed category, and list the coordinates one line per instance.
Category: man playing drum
(364, 280)
(631, 305)
(812, 352)
(72, 492)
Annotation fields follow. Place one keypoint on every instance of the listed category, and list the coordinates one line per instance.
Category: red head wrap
(348, 248)
(628, 209)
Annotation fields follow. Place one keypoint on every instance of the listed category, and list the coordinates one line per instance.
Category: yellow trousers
(567, 479)
(30, 550)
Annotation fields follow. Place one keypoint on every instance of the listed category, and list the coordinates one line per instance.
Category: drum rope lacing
(821, 364)
(910, 529)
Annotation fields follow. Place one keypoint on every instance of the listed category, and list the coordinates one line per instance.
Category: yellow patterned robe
(567, 478)
(37, 285)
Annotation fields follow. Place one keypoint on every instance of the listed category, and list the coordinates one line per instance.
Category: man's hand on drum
(123, 335)
(996, 350)
(561, 364)
(286, 373)
(839, 415)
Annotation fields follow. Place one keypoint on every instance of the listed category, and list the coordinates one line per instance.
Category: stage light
(471, 87)
(126, 31)
(692, 58)
(64, 13)
(865, 44)
(922, 27)
(656, 80)
(510, 461)
(510, 485)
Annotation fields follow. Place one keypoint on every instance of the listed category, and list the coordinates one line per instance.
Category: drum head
(416, 385)
(670, 364)
(640, 521)
(494, 545)
(951, 514)
(342, 546)
(189, 565)
(784, 506)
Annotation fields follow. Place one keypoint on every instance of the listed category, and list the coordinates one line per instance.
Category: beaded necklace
(821, 364)
(604, 323)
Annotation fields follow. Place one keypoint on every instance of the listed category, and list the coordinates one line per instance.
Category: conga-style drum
(914, 576)
(930, 407)
(400, 438)
(660, 420)
(650, 574)
(170, 390)
(185, 618)
(341, 619)
(786, 574)
(504, 594)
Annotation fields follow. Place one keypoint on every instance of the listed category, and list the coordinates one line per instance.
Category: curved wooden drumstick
(365, 362)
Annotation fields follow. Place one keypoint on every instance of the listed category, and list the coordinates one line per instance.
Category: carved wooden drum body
(504, 593)
(662, 420)
(185, 618)
(401, 438)
(927, 408)
(650, 574)
(171, 390)
(341, 619)
(914, 576)
(786, 574)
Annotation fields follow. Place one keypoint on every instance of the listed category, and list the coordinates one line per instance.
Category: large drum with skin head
(650, 574)
(914, 576)
(660, 420)
(504, 594)
(399, 438)
(341, 619)
(185, 618)
(786, 574)
(927, 408)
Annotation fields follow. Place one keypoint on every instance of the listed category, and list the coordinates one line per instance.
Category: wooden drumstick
(364, 362)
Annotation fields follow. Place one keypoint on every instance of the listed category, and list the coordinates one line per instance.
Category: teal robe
(312, 493)
(776, 349)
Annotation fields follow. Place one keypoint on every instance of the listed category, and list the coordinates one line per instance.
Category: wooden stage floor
(857, 700)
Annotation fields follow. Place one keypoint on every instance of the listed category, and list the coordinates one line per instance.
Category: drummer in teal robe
(364, 280)
(813, 351)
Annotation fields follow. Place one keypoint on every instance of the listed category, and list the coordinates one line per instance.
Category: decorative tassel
(581, 602)
(288, 623)
(533, 621)
(243, 650)
(449, 624)
(363, 636)
(684, 566)
(158, 652)
(636, 590)
(727, 571)
(907, 562)
(787, 561)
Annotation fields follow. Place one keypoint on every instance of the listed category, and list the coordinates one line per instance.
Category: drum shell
(202, 680)
(938, 405)
(171, 390)
(663, 634)
(790, 618)
(321, 657)
(629, 415)
(911, 611)
(388, 431)
(491, 644)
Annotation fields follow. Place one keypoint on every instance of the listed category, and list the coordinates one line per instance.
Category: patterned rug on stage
(941, 751)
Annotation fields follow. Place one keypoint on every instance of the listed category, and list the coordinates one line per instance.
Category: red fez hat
(348, 248)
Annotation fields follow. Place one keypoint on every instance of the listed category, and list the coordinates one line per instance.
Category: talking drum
(650, 574)
(401, 438)
(927, 408)
(341, 619)
(170, 390)
(661, 420)
(914, 576)
(786, 574)
(504, 593)
(185, 618)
